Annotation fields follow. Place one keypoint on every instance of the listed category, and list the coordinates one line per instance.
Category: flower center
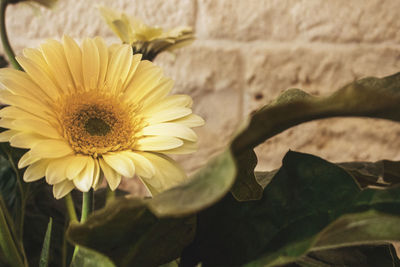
(96, 126)
(96, 123)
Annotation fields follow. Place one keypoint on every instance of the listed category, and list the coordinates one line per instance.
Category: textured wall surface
(249, 51)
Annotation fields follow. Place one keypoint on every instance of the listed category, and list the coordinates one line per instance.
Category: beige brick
(337, 140)
(315, 68)
(306, 20)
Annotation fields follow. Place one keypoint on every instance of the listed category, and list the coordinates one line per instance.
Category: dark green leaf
(89, 258)
(44, 256)
(368, 97)
(246, 186)
(306, 199)
(128, 233)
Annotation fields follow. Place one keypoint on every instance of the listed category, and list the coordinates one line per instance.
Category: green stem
(87, 205)
(71, 208)
(4, 38)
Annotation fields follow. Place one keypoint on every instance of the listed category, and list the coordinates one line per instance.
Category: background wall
(249, 51)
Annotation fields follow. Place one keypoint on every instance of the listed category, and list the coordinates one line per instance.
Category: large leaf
(368, 97)
(127, 229)
(307, 199)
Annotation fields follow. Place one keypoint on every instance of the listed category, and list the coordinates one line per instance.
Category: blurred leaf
(90, 258)
(205, 188)
(368, 97)
(128, 233)
(306, 200)
(44, 256)
(366, 256)
(246, 186)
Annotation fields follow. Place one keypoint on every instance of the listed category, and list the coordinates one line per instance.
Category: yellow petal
(84, 180)
(96, 177)
(26, 160)
(26, 140)
(146, 78)
(159, 92)
(51, 149)
(56, 170)
(143, 166)
(36, 171)
(168, 172)
(77, 163)
(36, 126)
(171, 129)
(118, 68)
(103, 56)
(7, 135)
(74, 58)
(19, 83)
(90, 63)
(191, 120)
(40, 77)
(120, 163)
(156, 143)
(134, 64)
(167, 103)
(169, 115)
(54, 54)
(187, 148)
(62, 189)
(113, 178)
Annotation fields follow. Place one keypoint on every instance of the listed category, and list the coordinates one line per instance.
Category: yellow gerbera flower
(146, 40)
(95, 111)
(46, 3)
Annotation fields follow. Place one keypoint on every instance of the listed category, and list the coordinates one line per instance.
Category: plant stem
(70, 208)
(87, 207)
(87, 203)
(4, 38)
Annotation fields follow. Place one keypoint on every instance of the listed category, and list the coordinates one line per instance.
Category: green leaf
(366, 256)
(90, 258)
(246, 186)
(44, 256)
(368, 97)
(305, 200)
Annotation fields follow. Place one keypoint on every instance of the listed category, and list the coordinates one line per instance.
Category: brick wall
(249, 51)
